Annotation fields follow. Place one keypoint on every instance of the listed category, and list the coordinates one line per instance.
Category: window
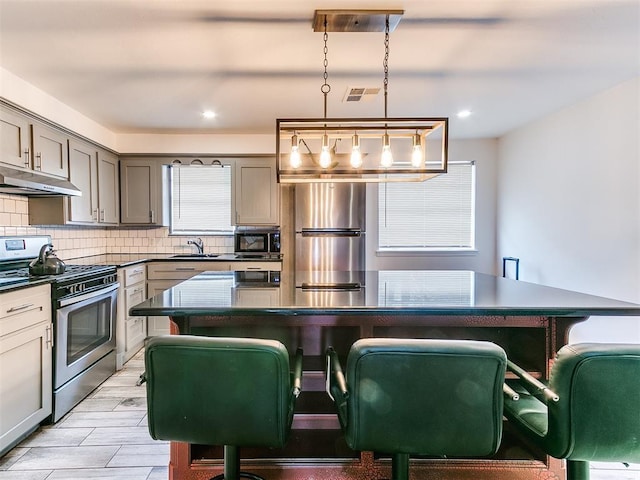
(201, 200)
(437, 214)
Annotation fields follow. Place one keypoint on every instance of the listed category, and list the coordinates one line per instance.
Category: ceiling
(155, 65)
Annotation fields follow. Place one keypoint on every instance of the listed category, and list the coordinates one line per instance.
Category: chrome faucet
(198, 244)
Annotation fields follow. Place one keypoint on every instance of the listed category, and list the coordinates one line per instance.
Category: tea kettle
(46, 263)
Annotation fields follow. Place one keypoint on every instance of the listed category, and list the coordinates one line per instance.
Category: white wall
(32, 98)
(197, 143)
(569, 203)
(484, 153)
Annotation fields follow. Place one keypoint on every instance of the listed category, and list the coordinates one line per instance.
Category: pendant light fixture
(381, 149)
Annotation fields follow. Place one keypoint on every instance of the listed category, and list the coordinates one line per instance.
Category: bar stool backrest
(425, 397)
(598, 414)
(218, 391)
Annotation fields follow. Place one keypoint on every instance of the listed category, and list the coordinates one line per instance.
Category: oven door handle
(96, 293)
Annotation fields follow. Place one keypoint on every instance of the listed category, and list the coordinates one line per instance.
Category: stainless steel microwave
(263, 242)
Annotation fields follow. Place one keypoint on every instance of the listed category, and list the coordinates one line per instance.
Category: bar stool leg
(577, 470)
(400, 466)
(231, 462)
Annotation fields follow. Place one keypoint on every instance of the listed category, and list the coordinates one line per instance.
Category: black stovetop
(71, 273)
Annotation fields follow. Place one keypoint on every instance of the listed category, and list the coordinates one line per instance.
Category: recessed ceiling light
(464, 113)
(209, 114)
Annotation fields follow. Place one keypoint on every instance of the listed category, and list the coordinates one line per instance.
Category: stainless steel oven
(84, 313)
(83, 301)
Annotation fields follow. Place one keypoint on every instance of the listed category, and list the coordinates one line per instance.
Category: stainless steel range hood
(19, 182)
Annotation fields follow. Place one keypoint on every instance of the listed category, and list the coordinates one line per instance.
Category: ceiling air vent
(360, 94)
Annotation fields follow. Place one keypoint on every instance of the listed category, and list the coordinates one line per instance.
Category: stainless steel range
(84, 299)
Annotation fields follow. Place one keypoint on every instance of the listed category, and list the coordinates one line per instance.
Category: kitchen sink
(195, 255)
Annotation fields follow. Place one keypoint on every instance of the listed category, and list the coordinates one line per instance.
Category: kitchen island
(529, 321)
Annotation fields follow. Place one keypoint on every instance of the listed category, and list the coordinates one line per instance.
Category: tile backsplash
(75, 241)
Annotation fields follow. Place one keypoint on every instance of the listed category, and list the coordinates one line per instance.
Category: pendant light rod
(385, 64)
(325, 88)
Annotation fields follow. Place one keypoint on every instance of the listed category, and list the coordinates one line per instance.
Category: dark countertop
(433, 292)
(121, 260)
(127, 259)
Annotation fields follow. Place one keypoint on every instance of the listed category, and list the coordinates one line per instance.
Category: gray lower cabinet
(164, 275)
(130, 331)
(26, 341)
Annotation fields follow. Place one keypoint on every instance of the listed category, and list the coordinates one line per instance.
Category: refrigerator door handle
(330, 232)
(350, 287)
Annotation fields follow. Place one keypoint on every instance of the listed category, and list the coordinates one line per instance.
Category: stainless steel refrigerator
(330, 235)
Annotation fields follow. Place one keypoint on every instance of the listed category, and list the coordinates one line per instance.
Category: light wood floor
(106, 438)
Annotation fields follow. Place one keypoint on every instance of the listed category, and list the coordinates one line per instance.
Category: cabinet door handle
(38, 164)
(26, 157)
(94, 215)
(138, 290)
(20, 307)
(49, 337)
(102, 214)
(137, 271)
(152, 216)
(254, 268)
(185, 269)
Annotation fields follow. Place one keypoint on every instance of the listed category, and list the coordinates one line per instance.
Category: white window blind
(201, 199)
(435, 214)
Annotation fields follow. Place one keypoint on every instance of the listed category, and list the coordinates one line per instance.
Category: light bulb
(386, 159)
(356, 157)
(416, 152)
(356, 154)
(294, 158)
(325, 153)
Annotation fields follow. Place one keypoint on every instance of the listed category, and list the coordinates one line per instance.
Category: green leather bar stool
(419, 397)
(233, 392)
(590, 409)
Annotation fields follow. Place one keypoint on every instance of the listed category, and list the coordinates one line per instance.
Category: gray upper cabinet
(83, 161)
(142, 201)
(108, 188)
(15, 139)
(30, 145)
(95, 172)
(256, 198)
(50, 153)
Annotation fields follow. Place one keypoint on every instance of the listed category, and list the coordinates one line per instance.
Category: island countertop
(432, 292)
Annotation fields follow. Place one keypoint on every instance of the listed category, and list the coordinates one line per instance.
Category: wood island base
(369, 468)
